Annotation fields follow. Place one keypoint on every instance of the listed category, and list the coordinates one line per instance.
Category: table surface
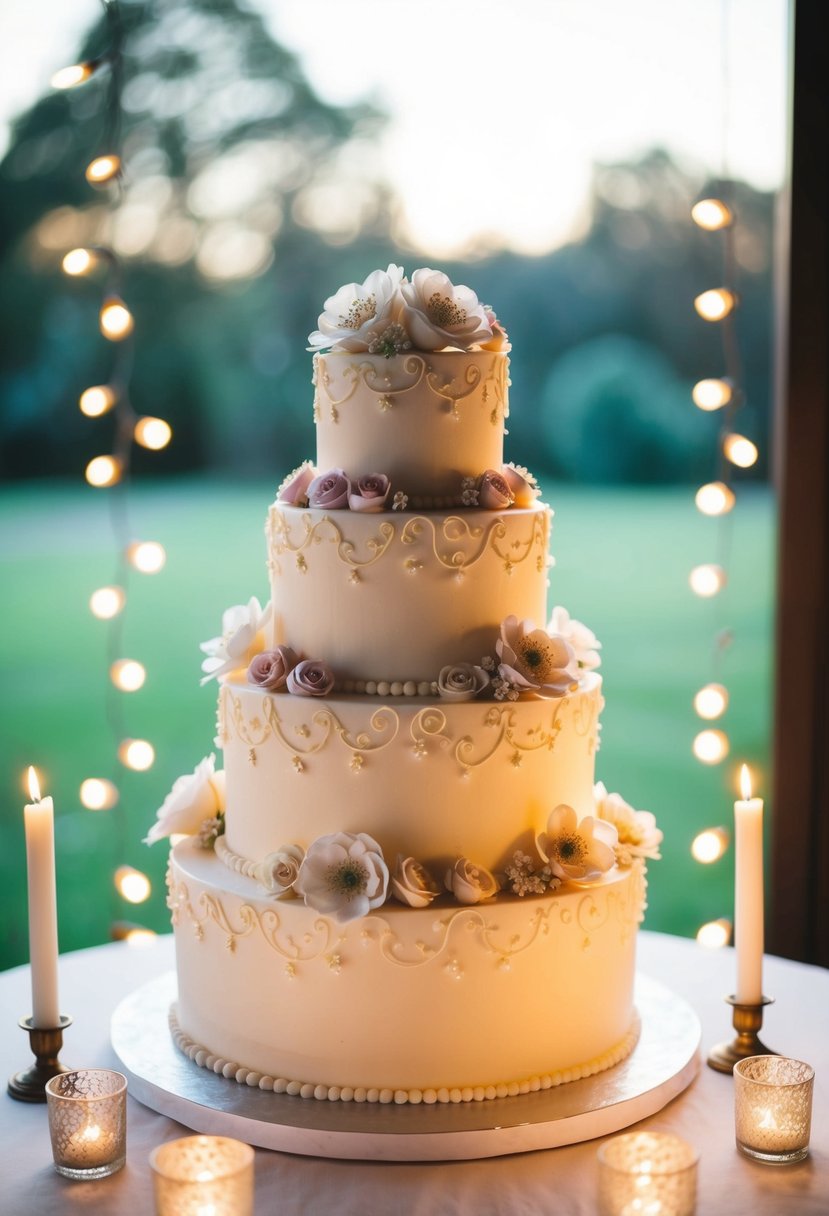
(560, 1181)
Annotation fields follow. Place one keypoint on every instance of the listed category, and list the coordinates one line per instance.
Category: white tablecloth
(560, 1181)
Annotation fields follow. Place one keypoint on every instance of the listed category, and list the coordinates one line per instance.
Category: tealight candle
(773, 1108)
(88, 1122)
(647, 1174)
(203, 1176)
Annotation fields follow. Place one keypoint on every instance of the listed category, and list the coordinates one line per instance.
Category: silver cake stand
(662, 1065)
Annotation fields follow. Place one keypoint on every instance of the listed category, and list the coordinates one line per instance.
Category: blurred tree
(234, 169)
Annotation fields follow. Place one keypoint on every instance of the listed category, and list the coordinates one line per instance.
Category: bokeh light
(711, 394)
(103, 471)
(128, 675)
(709, 846)
(97, 400)
(132, 885)
(714, 498)
(146, 556)
(706, 580)
(714, 934)
(153, 433)
(711, 746)
(136, 754)
(107, 602)
(711, 214)
(115, 319)
(98, 794)
(711, 701)
(740, 451)
(103, 169)
(78, 261)
(716, 304)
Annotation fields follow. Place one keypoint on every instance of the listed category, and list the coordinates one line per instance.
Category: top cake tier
(426, 420)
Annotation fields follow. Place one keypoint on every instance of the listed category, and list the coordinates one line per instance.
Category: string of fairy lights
(716, 499)
(110, 471)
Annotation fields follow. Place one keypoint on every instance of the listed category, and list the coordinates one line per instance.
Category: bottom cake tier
(443, 1003)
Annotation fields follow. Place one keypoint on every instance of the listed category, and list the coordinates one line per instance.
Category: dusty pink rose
(493, 491)
(521, 483)
(461, 681)
(310, 678)
(294, 490)
(271, 668)
(330, 490)
(370, 493)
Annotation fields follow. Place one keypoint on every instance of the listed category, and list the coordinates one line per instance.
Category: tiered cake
(404, 886)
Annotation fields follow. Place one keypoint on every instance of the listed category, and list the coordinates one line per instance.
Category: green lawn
(622, 559)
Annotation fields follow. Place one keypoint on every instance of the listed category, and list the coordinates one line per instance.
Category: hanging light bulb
(107, 602)
(711, 214)
(137, 754)
(103, 471)
(97, 400)
(132, 885)
(98, 794)
(711, 746)
(147, 556)
(74, 74)
(103, 169)
(714, 498)
(711, 394)
(740, 451)
(79, 261)
(153, 433)
(715, 934)
(115, 319)
(716, 304)
(711, 701)
(128, 675)
(709, 846)
(707, 580)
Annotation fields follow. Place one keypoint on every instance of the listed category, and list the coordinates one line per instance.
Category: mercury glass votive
(773, 1108)
(88, 1122)
(647, 1174)
(203, 1176)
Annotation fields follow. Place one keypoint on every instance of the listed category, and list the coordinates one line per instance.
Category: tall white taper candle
(748, 893)
(43, 920)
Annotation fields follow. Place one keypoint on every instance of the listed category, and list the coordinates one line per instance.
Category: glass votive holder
(647, 1174)
(203, 1176)
(773, 1108)
(88, 1122)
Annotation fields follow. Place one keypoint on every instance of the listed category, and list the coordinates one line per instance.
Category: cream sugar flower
(583, 640)
(343, 875)
(532, 659)
(194, 798)
(359, 313)
(577, 851)
(242, 637)
(638, 834)
(437, 314)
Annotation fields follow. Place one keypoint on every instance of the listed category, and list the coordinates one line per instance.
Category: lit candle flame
(34, 785)
(745, 783)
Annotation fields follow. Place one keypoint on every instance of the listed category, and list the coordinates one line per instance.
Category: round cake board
(663, 1063)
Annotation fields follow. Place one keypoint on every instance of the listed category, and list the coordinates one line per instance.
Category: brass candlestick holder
(747, 1021)
(29, 1085)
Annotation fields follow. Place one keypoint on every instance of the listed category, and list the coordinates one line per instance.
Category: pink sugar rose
(521, 483)
(271, 668)
(310, 678)
(494, 493)
(370, 493)
(294, 490)
(330, 490)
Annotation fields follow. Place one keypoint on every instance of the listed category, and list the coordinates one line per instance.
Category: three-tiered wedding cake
(404, 885)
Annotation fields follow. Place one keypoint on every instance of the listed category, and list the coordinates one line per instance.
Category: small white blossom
(583, 640)
(343, 876)
(242, 637)
(392, 341)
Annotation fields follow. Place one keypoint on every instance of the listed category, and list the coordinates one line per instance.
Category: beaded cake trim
(204, 1058)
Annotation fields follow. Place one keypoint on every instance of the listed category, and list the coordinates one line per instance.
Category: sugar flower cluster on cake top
(389, 314)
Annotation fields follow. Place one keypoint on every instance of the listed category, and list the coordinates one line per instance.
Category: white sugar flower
(583, 640)
(577, 851)
(359, 314)
(470, 883)
(278, 871)
(242, 637)
(531, 658)
(436, 314)
(343, 876)
(194, 798)
(637, 831)
(411, 883)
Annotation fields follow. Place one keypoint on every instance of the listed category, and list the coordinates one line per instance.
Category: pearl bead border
(346, 1093)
